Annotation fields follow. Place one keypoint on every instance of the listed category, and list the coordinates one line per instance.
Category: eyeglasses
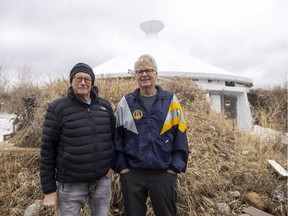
(147, 71)
(79, 79)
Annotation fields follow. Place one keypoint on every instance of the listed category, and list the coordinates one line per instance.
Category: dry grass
(269, 107)
(222, 159)
(18, 180)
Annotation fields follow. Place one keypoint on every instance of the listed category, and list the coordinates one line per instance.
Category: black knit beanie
(82, 67)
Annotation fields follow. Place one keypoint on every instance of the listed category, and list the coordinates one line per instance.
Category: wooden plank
(279, 169)
(255, 212)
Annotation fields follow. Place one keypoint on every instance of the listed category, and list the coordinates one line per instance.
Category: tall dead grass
(18, 180)
(222, 159)
(269, 107)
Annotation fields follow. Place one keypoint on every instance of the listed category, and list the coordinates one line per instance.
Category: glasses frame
(78, 79)
(148, 71)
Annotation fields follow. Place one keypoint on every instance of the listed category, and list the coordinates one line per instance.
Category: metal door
(230, 106)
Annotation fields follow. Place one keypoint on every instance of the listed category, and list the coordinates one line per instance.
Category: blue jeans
(72, 196)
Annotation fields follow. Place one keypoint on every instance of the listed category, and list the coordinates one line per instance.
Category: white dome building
(227, 91)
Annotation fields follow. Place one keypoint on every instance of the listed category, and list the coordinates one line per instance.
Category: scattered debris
(251, 211)
(7, 136)
(6, 125)
(33, 209)
(278, 168)
(253, 199)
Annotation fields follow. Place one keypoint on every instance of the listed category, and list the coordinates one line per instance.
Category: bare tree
(3, 79)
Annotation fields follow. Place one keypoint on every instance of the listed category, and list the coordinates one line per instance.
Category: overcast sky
(245, 37)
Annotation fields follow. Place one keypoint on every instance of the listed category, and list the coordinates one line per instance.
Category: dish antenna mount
(152, 27)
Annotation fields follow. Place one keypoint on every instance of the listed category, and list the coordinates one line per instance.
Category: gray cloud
(243, 36)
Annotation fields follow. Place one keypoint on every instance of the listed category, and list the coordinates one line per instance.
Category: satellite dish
(152, 27)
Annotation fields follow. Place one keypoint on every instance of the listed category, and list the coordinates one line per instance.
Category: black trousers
(161, 186)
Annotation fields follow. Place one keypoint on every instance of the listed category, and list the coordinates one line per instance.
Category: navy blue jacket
(152, 141)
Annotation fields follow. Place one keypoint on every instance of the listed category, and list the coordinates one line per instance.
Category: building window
(229, 83)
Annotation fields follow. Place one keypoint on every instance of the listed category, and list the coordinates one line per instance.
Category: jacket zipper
(93, 135)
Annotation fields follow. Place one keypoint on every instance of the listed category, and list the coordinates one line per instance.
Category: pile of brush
(224, 163)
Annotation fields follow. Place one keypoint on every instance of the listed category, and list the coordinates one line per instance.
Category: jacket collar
(93, 94)
(160, 92)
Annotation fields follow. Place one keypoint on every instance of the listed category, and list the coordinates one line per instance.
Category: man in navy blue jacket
(151, 144)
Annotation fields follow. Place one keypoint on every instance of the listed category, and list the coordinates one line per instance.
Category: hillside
(225, 164)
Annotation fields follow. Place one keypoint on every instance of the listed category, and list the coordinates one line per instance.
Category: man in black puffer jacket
(77, 148)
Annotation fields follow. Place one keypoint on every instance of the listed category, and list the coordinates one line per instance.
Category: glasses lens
(79, 79)
(147, 71)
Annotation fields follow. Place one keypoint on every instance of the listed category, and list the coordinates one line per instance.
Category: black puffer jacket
(77, 141)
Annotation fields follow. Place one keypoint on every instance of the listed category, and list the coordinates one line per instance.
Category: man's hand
(109, 173)
(171, 171)
(124, 171)
(50, 201)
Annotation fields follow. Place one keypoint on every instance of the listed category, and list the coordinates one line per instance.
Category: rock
(253, 199)
(223, 209)
(34, 209)
(280, 194)
(235, 194)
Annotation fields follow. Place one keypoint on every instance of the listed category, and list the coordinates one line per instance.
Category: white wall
(244, 119)
(244, 115)
(215, 103)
